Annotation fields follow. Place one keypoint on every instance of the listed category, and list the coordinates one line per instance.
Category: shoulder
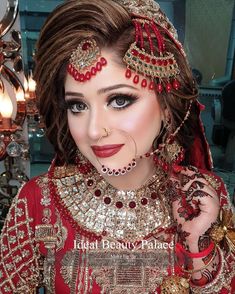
(33, 188)
(29, 197)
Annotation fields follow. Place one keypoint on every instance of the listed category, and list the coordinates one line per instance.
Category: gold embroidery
(112, 278)
(61, 232)
(140, 270)
(46, 216)
(46, 234)
(75, 271)
(67, 266)
(58, 229)
(19, 255)
(43, 184)
(52, 236)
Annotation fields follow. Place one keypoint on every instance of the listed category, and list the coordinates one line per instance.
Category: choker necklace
(98, 209)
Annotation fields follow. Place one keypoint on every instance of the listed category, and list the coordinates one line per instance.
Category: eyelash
(70, 104)
(129, 99)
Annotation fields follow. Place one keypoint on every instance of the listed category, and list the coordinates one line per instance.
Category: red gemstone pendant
(136, 79)
(144, 83)
(168, 87)
(159, 88)
(128, 73)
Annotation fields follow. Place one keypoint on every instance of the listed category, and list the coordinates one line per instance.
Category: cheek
(76, 132)
(144, 120)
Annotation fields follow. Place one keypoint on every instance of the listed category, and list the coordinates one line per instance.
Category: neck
(136, 178)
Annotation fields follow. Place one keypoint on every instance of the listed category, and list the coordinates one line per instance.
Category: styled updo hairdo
(110, 25)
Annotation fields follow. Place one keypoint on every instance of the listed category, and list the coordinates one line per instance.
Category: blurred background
(207, 31)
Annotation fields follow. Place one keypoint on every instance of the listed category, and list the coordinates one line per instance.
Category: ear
(165, 115)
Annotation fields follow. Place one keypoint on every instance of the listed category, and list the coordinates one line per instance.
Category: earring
(169, 154)
(84, 166)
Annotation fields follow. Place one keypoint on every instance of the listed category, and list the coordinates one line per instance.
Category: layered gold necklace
(100, 209)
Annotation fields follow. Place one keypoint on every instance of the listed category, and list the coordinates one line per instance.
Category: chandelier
(18, 111)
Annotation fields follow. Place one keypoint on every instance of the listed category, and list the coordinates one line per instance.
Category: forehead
(112, 73)
(111, 78)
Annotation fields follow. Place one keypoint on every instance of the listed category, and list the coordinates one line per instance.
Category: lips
(106, 150)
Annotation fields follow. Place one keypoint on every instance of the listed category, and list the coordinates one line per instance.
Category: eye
(121, 101)
(76, 106)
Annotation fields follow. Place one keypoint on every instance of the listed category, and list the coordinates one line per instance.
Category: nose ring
(107, 132)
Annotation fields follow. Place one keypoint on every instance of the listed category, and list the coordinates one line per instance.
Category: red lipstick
(106, 150)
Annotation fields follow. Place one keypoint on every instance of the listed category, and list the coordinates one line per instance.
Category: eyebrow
(75, 94)
(103, 90)
(118, 86)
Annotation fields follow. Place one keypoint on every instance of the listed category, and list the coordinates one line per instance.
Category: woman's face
(110, 118)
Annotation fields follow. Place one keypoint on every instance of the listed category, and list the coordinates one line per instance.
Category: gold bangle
(205, 266)
(222, 279)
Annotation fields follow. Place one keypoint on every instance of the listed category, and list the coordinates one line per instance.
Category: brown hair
(110, 25)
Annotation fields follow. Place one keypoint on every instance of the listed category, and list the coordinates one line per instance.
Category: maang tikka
(86, 61)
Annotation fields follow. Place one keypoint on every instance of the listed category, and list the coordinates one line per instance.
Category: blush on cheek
(138, 123)
(76, 133)
(132, 121)
(77, 136)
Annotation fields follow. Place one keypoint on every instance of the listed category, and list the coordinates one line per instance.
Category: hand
(195, 208)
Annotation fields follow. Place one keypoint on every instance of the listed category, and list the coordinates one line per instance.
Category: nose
(98, 124)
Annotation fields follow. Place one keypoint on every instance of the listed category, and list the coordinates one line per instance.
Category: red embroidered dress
(77, 234)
